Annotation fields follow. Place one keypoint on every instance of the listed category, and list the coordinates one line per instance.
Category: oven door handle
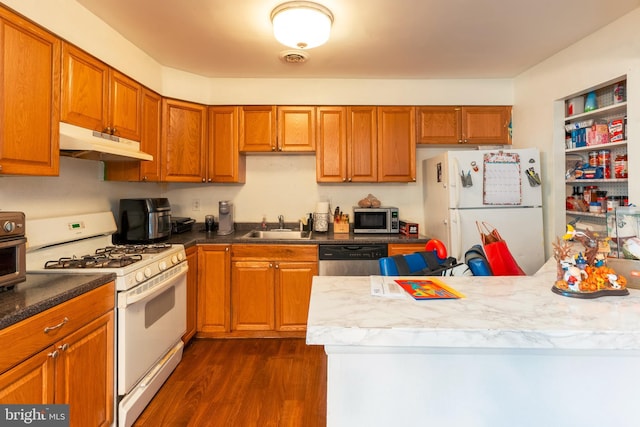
(133, 296)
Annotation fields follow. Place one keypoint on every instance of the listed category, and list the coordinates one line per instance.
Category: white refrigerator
(499, 187)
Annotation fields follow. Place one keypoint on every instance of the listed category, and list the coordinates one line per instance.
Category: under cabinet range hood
(87, 144)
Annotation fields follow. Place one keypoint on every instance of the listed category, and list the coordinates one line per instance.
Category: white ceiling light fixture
(301, 24)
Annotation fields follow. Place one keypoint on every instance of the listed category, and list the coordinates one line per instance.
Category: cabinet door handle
(277, 265)
(58, 326)
(53, 354)
(63, 347)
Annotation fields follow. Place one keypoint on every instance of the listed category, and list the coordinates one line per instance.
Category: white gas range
(150, 301)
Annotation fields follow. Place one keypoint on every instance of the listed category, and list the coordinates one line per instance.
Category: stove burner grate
(153, 248)
(102, 260)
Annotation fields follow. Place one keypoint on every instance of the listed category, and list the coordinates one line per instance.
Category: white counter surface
(497, 312)
(510, 353)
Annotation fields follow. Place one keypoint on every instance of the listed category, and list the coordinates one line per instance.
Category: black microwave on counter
(383, 219)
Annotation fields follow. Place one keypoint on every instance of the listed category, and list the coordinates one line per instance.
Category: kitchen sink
(278, 234)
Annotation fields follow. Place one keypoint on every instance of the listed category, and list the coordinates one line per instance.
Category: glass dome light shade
(301, 25)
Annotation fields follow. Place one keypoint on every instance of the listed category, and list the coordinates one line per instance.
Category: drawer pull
(58, 326)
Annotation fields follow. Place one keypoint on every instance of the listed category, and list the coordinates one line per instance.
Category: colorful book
(423, 288)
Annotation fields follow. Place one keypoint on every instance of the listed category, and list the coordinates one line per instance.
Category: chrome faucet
(281, 221)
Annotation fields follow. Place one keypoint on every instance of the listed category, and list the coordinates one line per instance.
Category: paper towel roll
(322, 207)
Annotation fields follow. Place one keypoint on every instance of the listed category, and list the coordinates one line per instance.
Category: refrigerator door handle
(456, 236)
(454, 183)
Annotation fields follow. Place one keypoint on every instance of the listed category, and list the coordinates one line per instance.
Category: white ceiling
(429, 39)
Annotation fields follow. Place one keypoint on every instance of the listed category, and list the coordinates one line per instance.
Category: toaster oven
(12, 249)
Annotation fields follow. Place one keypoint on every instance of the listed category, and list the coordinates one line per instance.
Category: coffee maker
(225, 218)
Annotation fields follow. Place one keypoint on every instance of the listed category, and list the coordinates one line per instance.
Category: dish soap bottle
(310, 222)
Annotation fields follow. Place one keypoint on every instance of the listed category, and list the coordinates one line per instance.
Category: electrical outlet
(195, 205)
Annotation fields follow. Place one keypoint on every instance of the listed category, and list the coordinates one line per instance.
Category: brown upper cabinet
(463, 125)
(346, 144)
(97, 97)
(296, 129)
(150, 137)
(225, 163)
(396, 144)
(258, 128)
(30, 88)
(184, 141)
(149, 171)
(277, 129)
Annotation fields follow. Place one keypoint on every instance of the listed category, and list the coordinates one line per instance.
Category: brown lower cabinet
(271, 286)
(72, 364)
(404, 248)
(254, 290)
(214, 281)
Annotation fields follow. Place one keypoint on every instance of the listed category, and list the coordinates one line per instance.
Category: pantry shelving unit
(607, 110)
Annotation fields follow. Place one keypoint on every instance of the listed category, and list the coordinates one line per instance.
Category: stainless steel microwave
(384, 219)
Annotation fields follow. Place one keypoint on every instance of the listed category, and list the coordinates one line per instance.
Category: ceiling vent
(294, 56)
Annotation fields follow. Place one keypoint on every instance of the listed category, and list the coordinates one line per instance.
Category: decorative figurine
(585, 274)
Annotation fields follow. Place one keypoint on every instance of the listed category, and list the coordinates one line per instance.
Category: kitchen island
(511, 353)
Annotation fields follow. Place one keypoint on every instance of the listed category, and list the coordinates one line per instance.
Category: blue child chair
(477, 261)
(425, 263)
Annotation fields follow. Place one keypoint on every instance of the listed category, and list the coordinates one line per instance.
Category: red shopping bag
(497, 252)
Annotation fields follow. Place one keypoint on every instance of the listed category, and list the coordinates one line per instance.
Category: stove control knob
(180, 256)
(162, 266)
(139, 276)
(9, 226)
(174, 259)
(147, 272)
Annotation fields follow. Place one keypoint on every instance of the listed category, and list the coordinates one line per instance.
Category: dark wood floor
(243, 382)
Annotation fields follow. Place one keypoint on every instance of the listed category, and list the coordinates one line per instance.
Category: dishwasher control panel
(352, 252)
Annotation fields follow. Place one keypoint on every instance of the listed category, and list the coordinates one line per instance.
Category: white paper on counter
(386, 287)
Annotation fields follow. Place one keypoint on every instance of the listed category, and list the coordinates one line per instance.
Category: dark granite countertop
(198, 236)
(43, 291)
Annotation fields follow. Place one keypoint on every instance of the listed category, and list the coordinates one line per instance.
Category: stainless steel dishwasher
(350, 259)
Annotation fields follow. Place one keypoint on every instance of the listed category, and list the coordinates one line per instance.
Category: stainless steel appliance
(144, 221)
(225, 218)
(12, 249)
(376, 220)
(350, 259)
(150, 301)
